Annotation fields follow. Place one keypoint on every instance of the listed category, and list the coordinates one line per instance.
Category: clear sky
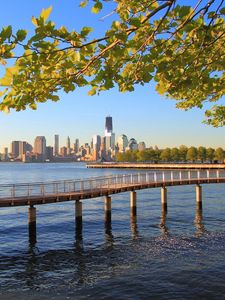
(142, 114)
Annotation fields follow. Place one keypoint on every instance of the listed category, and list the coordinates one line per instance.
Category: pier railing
(55, 188)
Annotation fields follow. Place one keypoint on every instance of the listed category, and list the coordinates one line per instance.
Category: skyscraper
(109, 135)
(40, 147)
(108, 126)
(15, 149)
(68, 149)
(56, 145)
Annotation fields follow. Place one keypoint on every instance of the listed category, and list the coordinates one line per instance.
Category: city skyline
(142, 114)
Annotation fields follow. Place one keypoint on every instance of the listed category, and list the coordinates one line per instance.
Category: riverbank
(153, 166)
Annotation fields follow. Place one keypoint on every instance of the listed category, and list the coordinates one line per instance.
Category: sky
(141, 114)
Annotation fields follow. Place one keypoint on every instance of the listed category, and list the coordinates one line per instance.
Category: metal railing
(58, 188)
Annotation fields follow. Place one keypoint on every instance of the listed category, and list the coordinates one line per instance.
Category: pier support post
(107, 208)
(78, 209)
(133, 207)
(32, 224)
(164, 198)
(198, 190)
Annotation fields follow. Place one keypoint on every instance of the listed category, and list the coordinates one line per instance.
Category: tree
(183, 152)
(180, 47)
(210, 154)
(202, 153)
(192, 154)
(166, 155)
(219, 154)
(175, 155)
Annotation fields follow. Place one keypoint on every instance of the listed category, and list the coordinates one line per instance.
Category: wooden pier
(33, 194)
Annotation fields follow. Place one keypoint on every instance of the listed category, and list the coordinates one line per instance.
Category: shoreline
(152, 166)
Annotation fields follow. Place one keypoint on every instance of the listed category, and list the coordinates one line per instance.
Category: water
(178, 255)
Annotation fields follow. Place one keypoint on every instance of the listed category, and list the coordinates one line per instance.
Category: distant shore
(156, 166)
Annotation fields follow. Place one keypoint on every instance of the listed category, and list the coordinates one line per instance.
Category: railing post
(217, 175)
(14, 191)
(207, 175)
(171, 176)
(155, 177)
(163, 176)
(81, 186)
(180, 176)
(189, 176)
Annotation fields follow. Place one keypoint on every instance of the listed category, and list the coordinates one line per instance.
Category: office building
(122, 142)
(40, 147)
(56, 145)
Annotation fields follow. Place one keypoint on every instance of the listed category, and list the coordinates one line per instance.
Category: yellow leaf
(46, 12)
(34, 21)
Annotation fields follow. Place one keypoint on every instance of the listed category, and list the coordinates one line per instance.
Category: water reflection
(32, 233)
(200, 229)
(162, 224)
(109, 239)
(133, 226)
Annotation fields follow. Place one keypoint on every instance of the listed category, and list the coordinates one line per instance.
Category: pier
(34, 194)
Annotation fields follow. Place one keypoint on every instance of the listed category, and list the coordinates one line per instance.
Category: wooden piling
(32, 224)
(164, 198)
(198, 190)
(107, 209)
(78, 209)
(133, 207)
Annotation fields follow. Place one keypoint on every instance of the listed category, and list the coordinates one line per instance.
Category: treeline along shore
(182, 154)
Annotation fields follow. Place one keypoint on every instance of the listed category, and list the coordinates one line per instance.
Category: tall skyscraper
(68, 149)
(40, 147)
(108, 126)
(56, 145)
(76, 146)
(109, 135)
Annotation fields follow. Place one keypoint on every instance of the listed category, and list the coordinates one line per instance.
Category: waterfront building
(63, 151)
(109, 135)
(132, 145)
(49, 153)
(96, 145)
(141, 146)
(68, 149)
(40, 147)
(6, 154)
(56, 145)
(122, 142)
(76, 146)
(15, 149)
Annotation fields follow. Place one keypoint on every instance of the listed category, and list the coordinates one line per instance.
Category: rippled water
(178, 255)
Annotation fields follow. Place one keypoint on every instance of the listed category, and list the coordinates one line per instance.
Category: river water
(178, 255)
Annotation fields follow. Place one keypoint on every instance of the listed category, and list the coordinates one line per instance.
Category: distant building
(49, 153)
(122, 142)
(141, 146)
(40, 147)
(63, 151)
(109, 135)
(15, 149)
(76, 146)
(68, 149)
(96, 145)
(132, 145)
(56, 145)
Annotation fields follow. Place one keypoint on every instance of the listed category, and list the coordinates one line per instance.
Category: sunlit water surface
(178, 255)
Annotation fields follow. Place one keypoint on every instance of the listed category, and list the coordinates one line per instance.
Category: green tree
(180, 47)
(192, 154)
(183, 152)
(165, 155)
(210, 154)
(175, 154)
(202, 153)
(219, 154)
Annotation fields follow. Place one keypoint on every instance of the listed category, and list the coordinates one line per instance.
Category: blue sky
(142, 114)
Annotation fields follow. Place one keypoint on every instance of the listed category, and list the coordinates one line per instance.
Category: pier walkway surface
(58, 191)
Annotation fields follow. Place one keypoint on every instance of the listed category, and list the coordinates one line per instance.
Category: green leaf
(45, 13)
(85, 31)
(21, 35)
(97, 7)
